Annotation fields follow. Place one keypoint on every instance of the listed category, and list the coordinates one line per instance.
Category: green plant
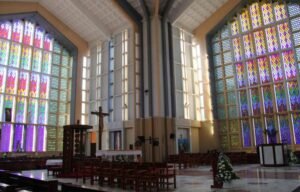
(224, 169)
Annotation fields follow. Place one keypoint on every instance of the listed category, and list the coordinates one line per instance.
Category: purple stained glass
(267, 98)
(244, 103)
(252, 72)
(30, 138)
(296, 125)
(41, 138)
(18, 138)
(294, 95)
(285, 133)
(6, 137)
(259, 133)
(246, 134)
(271, 126)
(255, 102)
(240, 75)
(280, 97)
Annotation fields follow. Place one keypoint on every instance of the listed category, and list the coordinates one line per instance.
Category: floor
(253, 178)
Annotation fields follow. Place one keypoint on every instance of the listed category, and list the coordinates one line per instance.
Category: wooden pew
(67, 187)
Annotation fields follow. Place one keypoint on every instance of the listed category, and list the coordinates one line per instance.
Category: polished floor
(253, 178)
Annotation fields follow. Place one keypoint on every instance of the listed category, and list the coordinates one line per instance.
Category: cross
(101, 115)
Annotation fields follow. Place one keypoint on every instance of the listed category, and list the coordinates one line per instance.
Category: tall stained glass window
(35, 74)
(265, 56)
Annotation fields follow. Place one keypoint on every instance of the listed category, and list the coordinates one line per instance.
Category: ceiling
(99, 19)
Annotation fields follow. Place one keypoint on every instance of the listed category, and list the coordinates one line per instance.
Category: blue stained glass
(227, 57)
(296, 125)
(220, 86)
(226, 45)
(231, 97)
(219, 73)
(230, 84)
(259, 132)
(294, 9)
(217, 60)
(284, 130)
(271, 126)
(216, 47)
(295, 23)
(225, 32)
(246, 134)
(228, 70)
(296, 38)
(244, 103)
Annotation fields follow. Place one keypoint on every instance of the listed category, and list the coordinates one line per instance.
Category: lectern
(74, 140)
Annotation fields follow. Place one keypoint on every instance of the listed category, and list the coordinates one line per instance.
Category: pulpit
(74, 144)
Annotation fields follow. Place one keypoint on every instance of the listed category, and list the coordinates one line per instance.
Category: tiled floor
(253, 178)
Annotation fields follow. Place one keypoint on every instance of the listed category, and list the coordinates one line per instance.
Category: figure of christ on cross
(100, 115)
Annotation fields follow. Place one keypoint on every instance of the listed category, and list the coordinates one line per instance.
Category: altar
(113, 154)
(273, 154)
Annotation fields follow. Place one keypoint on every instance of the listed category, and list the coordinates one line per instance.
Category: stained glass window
(259, 132)
(255, 15)
(26, 60)
(284, 36)
(267, 97)
(285, 133)
(248, 46)
(289, 64)
(259, 42)
(237, 49)
(276, 67)
(270, 125)
(240, 75)
(252, 72)
(246, 133)
(235, 27)
(296, 125)
(244, 103)
(280, 97)
(271, 39)
(245, 22)
(4, 49)
(255, 102)
(5, 29)
(294, 95)
(264, 70)
(266, 9)
(280, 11)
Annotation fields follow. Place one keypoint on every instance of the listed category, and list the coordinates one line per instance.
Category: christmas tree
(224, 169)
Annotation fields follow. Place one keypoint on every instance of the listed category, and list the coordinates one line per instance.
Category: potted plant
(224, 170)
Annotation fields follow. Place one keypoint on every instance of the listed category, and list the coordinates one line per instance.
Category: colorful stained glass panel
(248, 46)
(26, 58)
(32, 111)
(252, 73)
(270, 124)
(237, 49)
(289, 64)
(5, 29)
(41, 138)
(42, 112)
(280, 11)
(280, 97)
(294, 95)
(294, 9)
(255, 15)
(56, 47)
(48, 42)
(23, 83)
(34, 85)
(28, 33)
(38, 37)
(276, 67)
(260, 42)
(255, 102)
(285, 134)
(284, 36)
(245, 21)
(4, 49)
(2, 79)
(240, 75)
(36, 60)
(266, 9)
(15, 53)
(244, 103)
(259, 132)
(6, 137)
(46, 64)
(271, 39)
(264, 70)
(21, 110)
(17, 31)
(246, 133)
(9, 102)
(267, 97)
(44, 86)
(235, 27)
(30, 138)
(296, 126)
(18, 145)
(11, 81)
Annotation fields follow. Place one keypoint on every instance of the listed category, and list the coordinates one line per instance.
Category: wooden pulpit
(74, 144)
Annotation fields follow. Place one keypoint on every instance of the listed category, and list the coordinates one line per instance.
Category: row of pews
(127, 175)
(184, 160)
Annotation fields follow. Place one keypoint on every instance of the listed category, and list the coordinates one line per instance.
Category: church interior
(142, 95)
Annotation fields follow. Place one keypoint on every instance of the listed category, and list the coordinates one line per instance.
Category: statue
(101, 115)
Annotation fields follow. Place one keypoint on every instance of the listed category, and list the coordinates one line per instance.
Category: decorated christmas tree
(224, 169)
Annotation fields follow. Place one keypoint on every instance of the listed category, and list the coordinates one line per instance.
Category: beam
(178, 11)
(105, 32)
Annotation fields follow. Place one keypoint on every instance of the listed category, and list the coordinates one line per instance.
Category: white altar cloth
(111, 153)
(54, 162)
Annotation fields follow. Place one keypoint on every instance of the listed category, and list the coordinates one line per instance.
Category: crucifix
(101, 115)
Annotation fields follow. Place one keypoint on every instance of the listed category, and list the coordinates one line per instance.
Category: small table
(273, 154)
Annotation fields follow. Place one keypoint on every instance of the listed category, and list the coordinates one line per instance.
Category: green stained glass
(227, 57)
(221, 113)
(56, 47)
(56, 59)
(54, 82)
(220, 86)
(219, 73)
(62, 108)
(63, 96)
(232, 112)
(230, 84)
(228, 70)
(54, 94)
(65, 61)
(231, 97)
(220, 99)
(63, 83)
(64, 72)
(61, 120)
(53, 107)
(55, 70)
(226, 45)
(52, 119)
(217, 60)
(216, 48)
